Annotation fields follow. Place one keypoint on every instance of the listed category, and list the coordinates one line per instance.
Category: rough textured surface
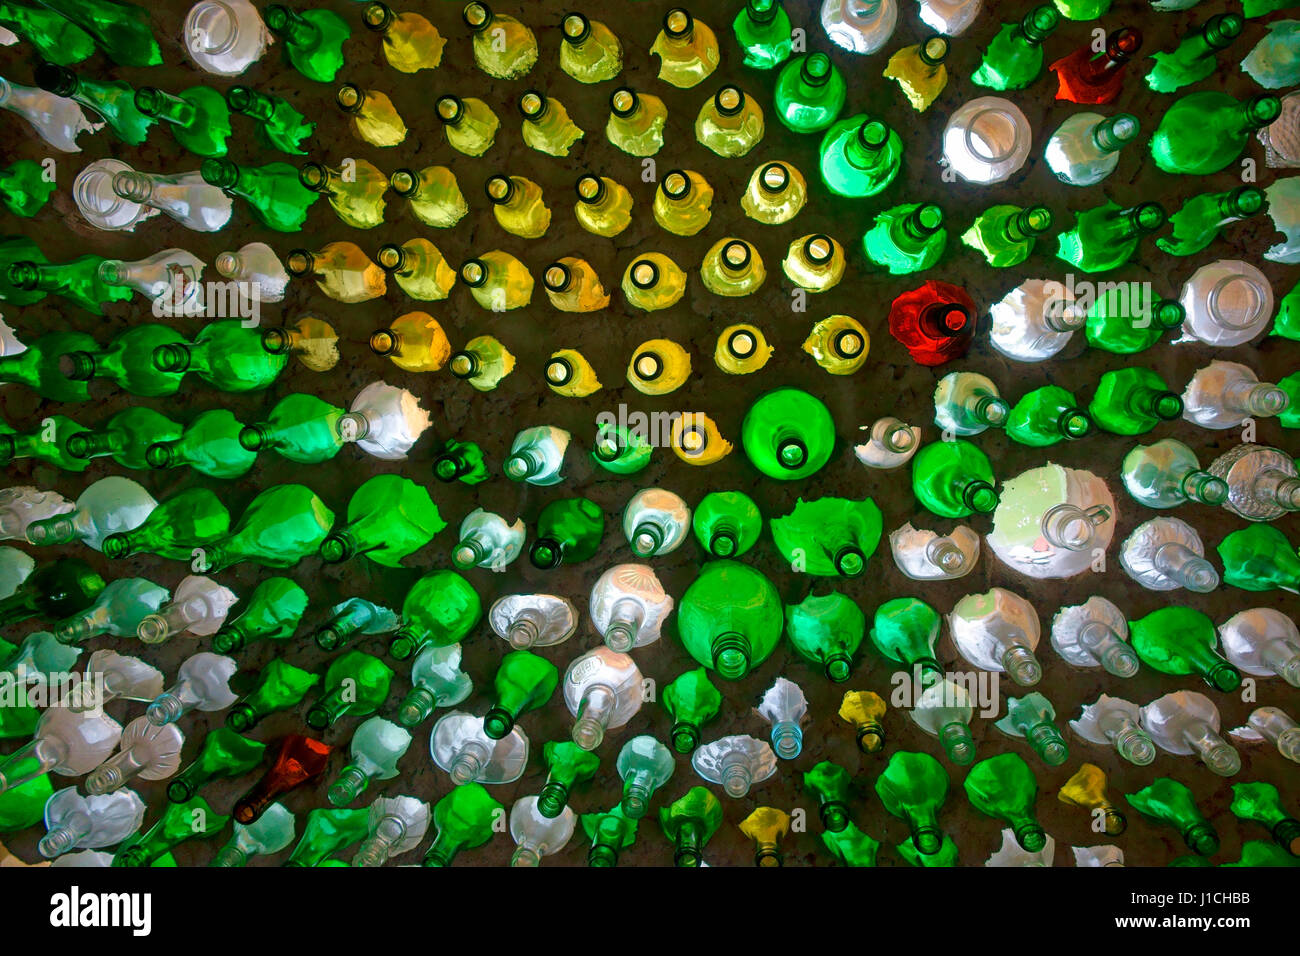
(889, 384)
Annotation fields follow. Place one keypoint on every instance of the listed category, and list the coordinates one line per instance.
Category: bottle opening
(402, 182)
(450, 109)
(678, 23)
(729, 100)
(873, 134)
(623, 102)
(850, 562)
(377, 17)
(645, 274)
(298, 262)
(463, 364)
(736, 256)
(532, 104)
(774, 178)
(349, 98)
(476, 16)
(792, 454)
(576, 28)
(473, 272)
(992, 136)
(934, 51)
(648, 366)
(545, 553)
(742, 344)
(389, 258)
(499, 189)
(848, 344)
(557, 277)
(819, 250)
(383, 342)
(590, 189)
(676, 184)
(559, 372)
(816, 69)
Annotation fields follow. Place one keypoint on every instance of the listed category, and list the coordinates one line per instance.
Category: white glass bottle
(1262, 642)
(736, 763)
(603, 690)
(1227, 302)
(986, 140)
(526, 621)
(460, 747)
(1094, 634)
(929, 556)
(1115, 722)
(198, 607)
(998, 631)
(656, 522)
(1035, 320)
(1263, 482)
(202, 683)
(1186, 722)
(859, 26)
(384, 421)
(629, 606)
(256, 265)
(537, 455)
(1225, 394)
(487, 540)
(225, 37)
(1164, 554)
(57, 120)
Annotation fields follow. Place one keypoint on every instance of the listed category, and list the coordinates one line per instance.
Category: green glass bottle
(1106, 236)
(954, 479)
(185, 521)
(389, 517)
(282, 687)
(1205, 132)
(619, 450)
(1032, 717)
(1259, 558)
(1261, 803)
(113, 100)
(1167, 801)
(226, 354)
(125, 437)
(326, 833)
(1201, 218)
(1132, 401)
(788, 434)
(827, 629)
(644, 765)
(1046, 416)
(829, 537)
(461, 461)
(912, 787)
(312, 40)
(47, 442)
(567, 764)
(730, 618)
(53, 591)
(946, 857)
(14, 249)
(1014, 58)
(462, 820)
(356, 685)
(727, 523)
(693, 701)
(274, 193)
(906, 239)
(224, 754)
(25, 187)
(905, 630)
(121, 30)
(440, 609)
(270, 613)
(23, 806)
(209, 444)
(568, 531)
(279, 125)
(809, 94)
(78, 281)
(127, 360)
(1181, 640)
(56, 38)
(199, 117)
(191, 820)
(300, 427)
(1005, 235)
(851, 847)
(860, 156)
(690, 821)
(762, 29)
(523, 682)
(610, 833)
(829, 782)
(280, 527)
(40, 366)
(1194, 58)
(1127, 318)
(351, 618)
(1003, 787)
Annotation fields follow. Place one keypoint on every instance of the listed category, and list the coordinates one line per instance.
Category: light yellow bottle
(498, 281)
(696, 439)
(658, 367)
(433, 194)
(517, 205)
(372, 114)
(682, 202)
(573, 286)
(636, 122)
(419, 269)
(590, 53)
(469, 124)
(410, 42)
(775, 194)
(687, 50)
(731, 123)
(652, 282)
(414, 342)
(741, 350)
(503, 47)
(309, 338)
(839, 344)
(604, 207)
(547, 127)
(341, 270)
(920, 71)
(814, 263)
(483, 362)
(568, 373)
(356, 192)
(732, 268)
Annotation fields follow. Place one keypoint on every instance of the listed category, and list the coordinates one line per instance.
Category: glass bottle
(860, 156)
(1166, 473)
(275, 196)
(827, 629)
(1129, 318)
(569, 531)
(727, 523)
(998, 631)
(1202, 217)
(376, 747)
(655, 522)
(1094, 634)
(46, 443)
(1005, 235)
(54, 591)
(610, 833)
(567, 764)
(440, 609)
(74, 822)
(788, 434)
(604, 207)
(179, 822)
(1276, 726)
(572, 286)
(225, 37)
(953, 479)
(409, 41)
(1014, 58)
(730, 618)
(905, 239)
(270, 613)
(1185, 723)
(859, 26)
(603, 690)
(681, 202)
(628, 606)
(1194, 58)
(1086, 77)
(636, 122)
(653, 282)
(690, 821)
(356, 685)
(816, 263)
(913, 787)
(829, 782)
(1263, 642)
(693, 701)
(658, 367)
(1261, 803)
(357, 198)
(384, 421)
(311, 40)
(968, 403)
(987, 140)
(117, 611)
(299, 427)
(905, 631)
(497, 280)
(517, 206)
(460, 747)
(121, 30)
(589, 51)
(298, 760)
(687, 50)
(920, 71)
(389, 517)
(209, 445)
(282, 687)
(468, 123)
(326, 833)
(1003, 787)
(419, 269)
(1106, 236)
(1165, 800)
(199, 117)
(463, 820)
(535, 835)
(644, 764)
(503, 47)
(436, 681)
(279, 124)
(1262, 481)
(198, 607)
(112, 100)
(1032, 717)
(1181, 641)
(1132, 401)
(775, 194)
(57, 120)
(78, 281)
(192, 518)
(736, 763)
(865, 711)
(270, 834)
(106, 506)
(25, 187)
(55, 37)
(547, 127)
(461, 461)
(1164, 554)
(1046, 416)
(810, 92)
(341, 270)
(202, 683)
(1226, 394)
(1205, 132)
(280, 527)
(730, 124)
(432, 193)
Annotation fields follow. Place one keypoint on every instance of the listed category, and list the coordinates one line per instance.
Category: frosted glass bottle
(1115, 722)
(198, 608)
(1262, 642)
(1085, 148)
(629, 606)
(924, 555)
(487, 540)
(1185, 723)
(859, 26)
(1094, 634)
(1035, 320)
(225, 37)
(384, 421)
(603, 691)
(57, 120)
(986, 140)
(655, 522)
(1227, 302)
(110, 505)
(537, 455)
(1164, 554)
(527, 621)
(1225, 394)
(257, 266)
(460, 747)
(998, 631)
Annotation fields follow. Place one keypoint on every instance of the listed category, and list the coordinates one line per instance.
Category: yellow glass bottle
(767, 827)
(590, 52)
(483, 362)
(741, 350)
(1087, 790)
(696, 439)
(356, 191)
(547, 127)
(309, 338)
(839, 344)
(658, 367)
(636, 122)
(517, 205)
(732, 267)
(498, 281)
(503, 47)
(919, 70)
(682, 202)
(652, 282)
(433, 194)
(814, 263)
(604, 207)
(573, 286)
(414, 342)
(775, 194)
(687, 50)
(419, 269)
(372, 115)
(730, 124)
(410, 42)
(469, 124)
(341, 270)
(568, 373)
(865, 710)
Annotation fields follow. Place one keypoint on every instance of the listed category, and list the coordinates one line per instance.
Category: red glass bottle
(935, 322)
(1090, 78)
(299, 760)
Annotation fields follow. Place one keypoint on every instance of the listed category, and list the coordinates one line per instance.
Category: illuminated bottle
(690, 821)
(569, 531)
(460, 461)
(418, 268)
(827, 629)
(55, 37)
(775, 194)
(1201, 218)
(1088, 77)
(1194, 58)
(410, 42)
(547, 127)
(658, 367)
(590, 52)
(681, 203)
(652, 281)
(810, 93)
(953, 479)
(920, 71)
(727, 523)
(371, 115)
(839, 344)
(1005, 235)
(730, 124)
(741, 350)
(276, 197)
(186, 520)
(732, 267)
(1003, 787)
(209, 444)
(415, 342)
(498, 281)
(687, 50)
(730, 618)
(227, 355)
(1132, 401)
(1107, 236)
(1205, 132)
(859, 26)
(620, 450)
(788, 434)
(312, 40)
(279, 125)
(25, 187)
(300, 427)
(1045, 416)
(604, 207)
(860, 156)
(1166, 473)
(568, 373)
(357, 197)
(905, 239)
(341, 270)
(517, 205)
(1181, 641)
(298, 761)
(483, 362)
(1014, 58)
(433, 195)
(1085, 149)
(503, 47)
(280, 527)
(468, 123)
(636, 122)
(1167, 801)
(767, 826)
(199, 117)
(573, 286)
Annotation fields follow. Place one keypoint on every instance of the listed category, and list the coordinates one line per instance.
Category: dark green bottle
(279, 125)
(180, 524)
(53, 591)
(56, 39)
(461, 461)
(125, 437)
(127, 361)
(25, 187)
(199, 117)
(121, 30)
(40, 366)
(830, 782)
(47, 442)
(273, 192)
(209, 444)
(224, 754)
(566, 764)
(282, 687)
(693, 701)
(568, 531)
(312, 40)
(356, 685)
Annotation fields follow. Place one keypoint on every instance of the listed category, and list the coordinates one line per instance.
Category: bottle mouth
(934, 51)
(277, 341)
(729, 100)
(848, 344)
(149, 100)
(1075, 423)
(736, 256)
(992, 136)
(1123, 43)
(723, 544)
(838, 668)
(576, 28)
(497, 722)
(980, 497)
(678, 24)
(816, 69)
(532, 104)
(349, 98)
(676, 184)
(731, 655)
(685, 737)
(623, 102)
(774, 178)
(792, 454)
(476, 15)
(644, 274)
(849, 562)
(742, 344)
(390, 258)
(463, 365)
(450, 109)
(499, 189)
(383, 342)
(559, 371)
(402, 182)
(474, 273)
(819, 249)
(873, 135)
(557, 277)
(299, 262)
(589, 188)
(648, 366)
(55, 79)
(377, 17)
(1236, 301)
(545, 554)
